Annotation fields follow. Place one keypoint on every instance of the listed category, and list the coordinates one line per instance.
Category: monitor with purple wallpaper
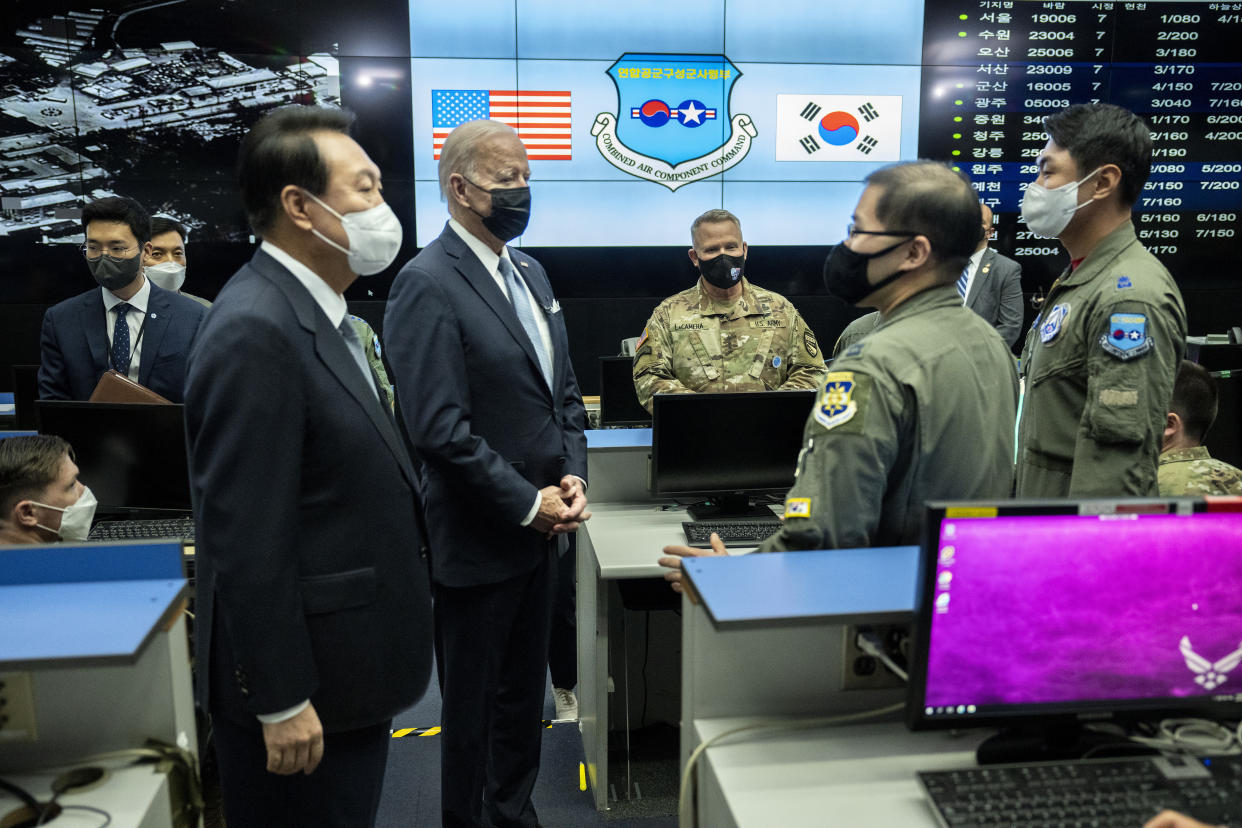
(1041, 616)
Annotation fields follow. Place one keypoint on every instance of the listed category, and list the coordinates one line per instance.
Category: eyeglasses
(852, 230)
(116, 251)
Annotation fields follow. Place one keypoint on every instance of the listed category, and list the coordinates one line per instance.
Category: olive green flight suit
(921, 409)
(1099, 365)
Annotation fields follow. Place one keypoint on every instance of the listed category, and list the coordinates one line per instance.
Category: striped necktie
(962, 281)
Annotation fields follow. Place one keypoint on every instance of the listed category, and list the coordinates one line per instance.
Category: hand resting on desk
(674, 554)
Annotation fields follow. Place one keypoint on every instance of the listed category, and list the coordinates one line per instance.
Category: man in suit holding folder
(314, 622)
(480, 357)
(128, 324)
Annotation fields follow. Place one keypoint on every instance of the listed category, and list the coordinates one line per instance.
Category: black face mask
(845, 273)
(113, 274)
(723, 271)
(510, 211)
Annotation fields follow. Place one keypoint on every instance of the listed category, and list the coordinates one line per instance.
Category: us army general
(724, 334)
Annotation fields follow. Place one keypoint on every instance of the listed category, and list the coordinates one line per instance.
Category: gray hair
(713, 217)
(461, 149)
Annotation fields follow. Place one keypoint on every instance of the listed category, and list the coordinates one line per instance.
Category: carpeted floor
(412, 782)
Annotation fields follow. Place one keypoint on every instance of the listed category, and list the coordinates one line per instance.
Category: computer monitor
(618, 402)
(25, 392)
(727, 448)
(132, 455)
(1038, 617)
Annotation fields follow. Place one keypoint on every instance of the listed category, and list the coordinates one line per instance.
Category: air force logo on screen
(672, 125)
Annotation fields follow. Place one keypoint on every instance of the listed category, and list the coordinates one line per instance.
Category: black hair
(1195, 399)
(163, 224)
(279, 150)
(1099, 134)
(122, 210)
(933, 200)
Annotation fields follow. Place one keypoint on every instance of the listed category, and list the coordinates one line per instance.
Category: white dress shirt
(972, 270)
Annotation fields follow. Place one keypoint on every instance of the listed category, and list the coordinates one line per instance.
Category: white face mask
(374, 237)
(75, 520)
(1048, 211)
(168, 275)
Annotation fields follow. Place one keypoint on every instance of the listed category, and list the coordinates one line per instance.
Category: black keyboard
(182, 527)
(749, 532)
(1088, 792)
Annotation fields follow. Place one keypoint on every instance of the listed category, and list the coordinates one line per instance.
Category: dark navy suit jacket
(477, 408)
(74, 345)
(311, 582)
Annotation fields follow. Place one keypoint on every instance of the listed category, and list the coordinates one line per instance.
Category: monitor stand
(736, 506)
(1051, 743)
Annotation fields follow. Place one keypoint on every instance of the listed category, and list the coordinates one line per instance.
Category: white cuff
(534, 510)
(283, 715)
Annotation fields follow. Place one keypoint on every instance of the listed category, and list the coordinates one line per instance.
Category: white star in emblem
(689, 113)
(1134, 335)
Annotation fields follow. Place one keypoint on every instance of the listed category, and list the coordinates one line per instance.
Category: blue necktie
(120, 339)
(520, 297)
(962, 281)
(355, 350)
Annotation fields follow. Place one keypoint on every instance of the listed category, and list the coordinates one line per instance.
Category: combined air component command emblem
(836, 401)
(1126, 337)
(672, 125)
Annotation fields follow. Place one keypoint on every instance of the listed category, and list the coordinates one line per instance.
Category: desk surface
(85, 604)
(864, 775)
(628, 538)
(840, 586)
(610, 438)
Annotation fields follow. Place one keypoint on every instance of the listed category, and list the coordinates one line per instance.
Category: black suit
(74, 345)
(491, 434)
(310, 579)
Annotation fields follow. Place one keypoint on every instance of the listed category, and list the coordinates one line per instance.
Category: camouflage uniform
(921, 409)
(1192, 471)
(758, 343)
(1099, 364)
(371, 348)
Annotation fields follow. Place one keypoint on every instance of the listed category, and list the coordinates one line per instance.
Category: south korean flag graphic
(838, 128)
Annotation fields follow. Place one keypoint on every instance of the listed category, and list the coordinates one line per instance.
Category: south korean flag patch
(1126, 337)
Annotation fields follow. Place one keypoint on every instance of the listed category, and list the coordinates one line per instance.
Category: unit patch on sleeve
(808, 342)
(836, 403)
(1050, 329)
(1126, 337)
(798, 507)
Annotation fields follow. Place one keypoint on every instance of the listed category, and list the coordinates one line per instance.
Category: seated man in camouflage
(724, 334)
(1186, 468)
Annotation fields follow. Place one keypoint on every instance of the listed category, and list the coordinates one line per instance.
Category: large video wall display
(150, 100)
(637, 121)
(636, 118)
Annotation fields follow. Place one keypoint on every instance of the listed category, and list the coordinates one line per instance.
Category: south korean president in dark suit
(481, 362)
(314, 624)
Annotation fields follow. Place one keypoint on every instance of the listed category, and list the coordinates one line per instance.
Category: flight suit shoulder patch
(842, 398)
(1126, 337)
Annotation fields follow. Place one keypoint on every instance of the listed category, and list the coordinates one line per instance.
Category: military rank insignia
(798, 507)
(836, 401)
(1126, 337)
(375, 346)
(1124, 282)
